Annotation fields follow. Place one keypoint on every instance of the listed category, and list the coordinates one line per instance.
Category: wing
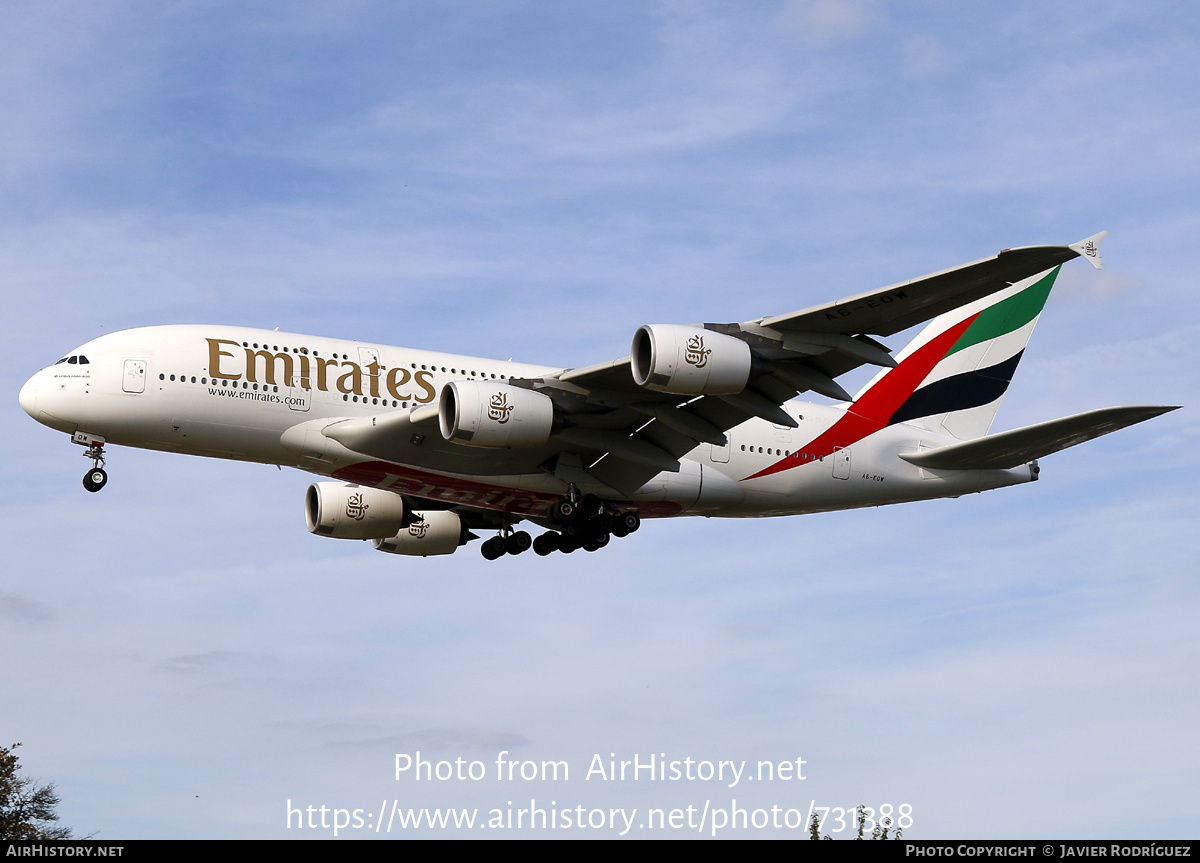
(614, 434)
(906, 304)
(645, 432)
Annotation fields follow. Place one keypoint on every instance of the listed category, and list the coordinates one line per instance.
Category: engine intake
(669, 358)
(345, 511)
(482, 414)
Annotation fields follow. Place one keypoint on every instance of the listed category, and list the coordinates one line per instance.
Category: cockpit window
(83, 361)
(60, 362)
(72, 360)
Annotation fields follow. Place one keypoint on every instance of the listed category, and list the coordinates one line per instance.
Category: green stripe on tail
(1008, 315)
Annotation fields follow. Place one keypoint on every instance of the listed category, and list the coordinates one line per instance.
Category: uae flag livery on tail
(962, 392)
(950, 378)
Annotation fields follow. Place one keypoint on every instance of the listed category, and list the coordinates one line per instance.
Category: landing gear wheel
(595, 543)
(629, 521)
(545, 543)
(493, 548)
(518, 542)
(95, 479)
(561, 511)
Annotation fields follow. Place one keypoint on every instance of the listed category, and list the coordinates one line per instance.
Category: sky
(537, 180)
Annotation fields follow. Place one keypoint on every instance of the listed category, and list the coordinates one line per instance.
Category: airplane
(423, 448)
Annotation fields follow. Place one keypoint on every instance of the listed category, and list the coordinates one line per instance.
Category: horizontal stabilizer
(1019, 446)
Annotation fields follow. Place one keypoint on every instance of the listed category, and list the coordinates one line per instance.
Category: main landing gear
(96, 478)
(585, 523)
(509, 542)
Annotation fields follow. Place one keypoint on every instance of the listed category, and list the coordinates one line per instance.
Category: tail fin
(953, 375)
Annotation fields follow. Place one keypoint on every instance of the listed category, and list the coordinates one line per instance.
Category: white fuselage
(264, 396)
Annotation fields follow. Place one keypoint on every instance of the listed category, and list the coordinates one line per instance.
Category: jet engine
(484, 414)
(669, 358)
(345, 511)
(431, 533)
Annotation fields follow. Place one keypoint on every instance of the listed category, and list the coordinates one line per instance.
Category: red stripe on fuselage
(465, 492)
(872, 412)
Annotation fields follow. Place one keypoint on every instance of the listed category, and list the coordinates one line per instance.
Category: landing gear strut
(96, 478)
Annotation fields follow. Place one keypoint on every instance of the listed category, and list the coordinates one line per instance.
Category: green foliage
(880, 832)
(26, 808)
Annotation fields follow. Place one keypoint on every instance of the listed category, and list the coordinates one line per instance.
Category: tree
(880, 832)
(26, 808)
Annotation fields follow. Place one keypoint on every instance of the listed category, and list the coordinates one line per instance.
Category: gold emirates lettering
(279, 369)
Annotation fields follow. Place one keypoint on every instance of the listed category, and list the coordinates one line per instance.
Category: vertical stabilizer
(952, 377)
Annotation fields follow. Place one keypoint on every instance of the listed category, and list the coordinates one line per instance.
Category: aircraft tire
(561, 511)
(595, 543)
(95, 479)
(518, 542)
(629, 521)
(545, 543)
(493, 548)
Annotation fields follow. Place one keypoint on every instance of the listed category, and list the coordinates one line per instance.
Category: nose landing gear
(96, 478)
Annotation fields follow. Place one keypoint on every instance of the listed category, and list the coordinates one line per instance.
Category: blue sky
(537, 181)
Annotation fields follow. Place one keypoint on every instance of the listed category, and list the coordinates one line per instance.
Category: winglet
(1090, 249)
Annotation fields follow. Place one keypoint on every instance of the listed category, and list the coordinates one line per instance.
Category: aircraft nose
(29, 396)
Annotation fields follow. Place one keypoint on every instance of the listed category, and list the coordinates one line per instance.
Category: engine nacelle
(432, 533)
(478, 413)
(669, 358)
(354, 512)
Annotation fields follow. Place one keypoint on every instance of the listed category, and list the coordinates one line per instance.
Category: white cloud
(825, 20)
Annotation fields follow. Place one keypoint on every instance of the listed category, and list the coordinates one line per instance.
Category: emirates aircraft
(423, 448)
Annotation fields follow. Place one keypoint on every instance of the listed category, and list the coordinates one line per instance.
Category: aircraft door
(299, 398)
(134, 378)
(367, 356)
(841, 463)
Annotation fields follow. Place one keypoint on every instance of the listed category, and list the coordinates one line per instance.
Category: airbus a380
(424, 448)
